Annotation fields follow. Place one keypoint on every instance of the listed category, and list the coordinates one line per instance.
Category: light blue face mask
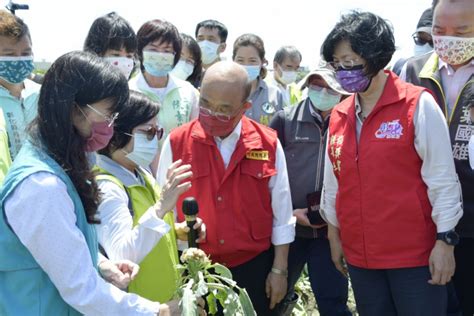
(323, 100)
(158, 64)
(16, 69)
(252, 71)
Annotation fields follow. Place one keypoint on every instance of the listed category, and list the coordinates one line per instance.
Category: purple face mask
(353, 80)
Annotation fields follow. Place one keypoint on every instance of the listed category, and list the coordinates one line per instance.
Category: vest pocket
(261, 228)
(258, 169)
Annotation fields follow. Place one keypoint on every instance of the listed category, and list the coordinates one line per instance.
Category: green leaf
(211, 304)
(202, 288)
(188, 302)
(221, 295)
(246, 303)
(232, 304)
(222, 271)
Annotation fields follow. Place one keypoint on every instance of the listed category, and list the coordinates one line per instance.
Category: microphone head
(190, 206)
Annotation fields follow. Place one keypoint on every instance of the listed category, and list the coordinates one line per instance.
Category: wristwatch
(450, 237)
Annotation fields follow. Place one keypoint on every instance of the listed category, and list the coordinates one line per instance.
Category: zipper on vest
(444, 99)
(320, 160)
(457, 100)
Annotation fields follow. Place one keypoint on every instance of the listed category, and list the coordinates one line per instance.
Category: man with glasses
(422, 39)
(241, 184)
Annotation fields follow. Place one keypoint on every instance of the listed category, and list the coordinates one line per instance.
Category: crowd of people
(357, 171)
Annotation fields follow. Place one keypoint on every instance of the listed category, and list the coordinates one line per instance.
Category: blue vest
(25, 289)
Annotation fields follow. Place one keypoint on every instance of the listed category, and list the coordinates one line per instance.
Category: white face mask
(124, 64)
(471, 151)
(422, 49)
(208, 51)
(182, 70)
(288, 77)
(454, 50)
(144, 150)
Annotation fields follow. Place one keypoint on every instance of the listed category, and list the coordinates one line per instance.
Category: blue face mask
(252, 71)
(16, 69)
(323, 99)
(158, 64)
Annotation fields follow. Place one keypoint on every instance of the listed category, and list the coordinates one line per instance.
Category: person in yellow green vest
(18, 94)
(136, 222)
(286, 63)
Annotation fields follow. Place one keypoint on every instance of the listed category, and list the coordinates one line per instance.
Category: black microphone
(190, 210)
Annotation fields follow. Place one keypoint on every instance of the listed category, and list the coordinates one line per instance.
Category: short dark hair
(213, 24)
(195, 50)
(73, 81)
(160, 30)
(286, 51)
(12, 26)
(370, 36)
(138, 110)
(254, 41)
(110, 31)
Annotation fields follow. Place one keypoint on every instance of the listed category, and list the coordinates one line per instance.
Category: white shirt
(433, 145)
(41, 214)
(283, 220)
(116, 232)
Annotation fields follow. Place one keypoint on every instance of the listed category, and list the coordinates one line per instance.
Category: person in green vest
(159, 51)
(286, 64)
(135, 215)
(18, 94)
(48, 244)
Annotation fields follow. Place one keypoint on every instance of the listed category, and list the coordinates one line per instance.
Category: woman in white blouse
(134, 211)
(48, 245)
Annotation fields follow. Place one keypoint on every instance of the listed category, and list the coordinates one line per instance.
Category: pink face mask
(102, 132)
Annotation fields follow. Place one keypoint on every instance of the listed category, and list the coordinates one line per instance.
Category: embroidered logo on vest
(257, 155)
(335, 144)
(390, 130)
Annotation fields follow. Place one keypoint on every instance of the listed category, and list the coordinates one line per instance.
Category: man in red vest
(241, 184)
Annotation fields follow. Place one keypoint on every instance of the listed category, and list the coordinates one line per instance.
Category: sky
(60, 26)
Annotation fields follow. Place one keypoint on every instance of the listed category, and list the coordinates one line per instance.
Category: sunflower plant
(212, 281)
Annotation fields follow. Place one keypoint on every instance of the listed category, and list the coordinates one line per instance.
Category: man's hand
(118, 273)
(275, 288)
(172, 308)
(442, 264)
(337, 255)
(182, 230)
(301, 215)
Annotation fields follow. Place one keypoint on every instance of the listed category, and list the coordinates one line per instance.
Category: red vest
(382, 203)
(234, 203)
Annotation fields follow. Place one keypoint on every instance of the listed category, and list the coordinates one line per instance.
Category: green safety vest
(158, 276)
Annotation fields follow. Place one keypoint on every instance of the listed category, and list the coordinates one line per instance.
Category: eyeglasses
(108, 118)
(346, 64)
(220, 116)
(422, 40)
(150, 132)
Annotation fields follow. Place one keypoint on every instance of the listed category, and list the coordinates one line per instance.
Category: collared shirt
(283, 221)
(50, 234)
(437, 170)
(266, 101)
(454, 80)
(116, 233)
(18, 113)
(285, 91)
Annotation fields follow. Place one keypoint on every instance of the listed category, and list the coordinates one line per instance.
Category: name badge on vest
(390, 130)
(268, 108)
(257, 155)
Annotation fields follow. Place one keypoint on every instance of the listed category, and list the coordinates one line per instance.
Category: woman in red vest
(391, 195)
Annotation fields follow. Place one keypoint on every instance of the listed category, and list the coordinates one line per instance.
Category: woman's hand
(182, 230)
(173, 187)
(119, 273)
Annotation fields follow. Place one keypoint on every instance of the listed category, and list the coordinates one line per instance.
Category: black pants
(464, 275)
(392, 292)
(252, 276)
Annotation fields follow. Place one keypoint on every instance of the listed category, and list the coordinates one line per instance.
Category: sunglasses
(422, 40)
(150, 132)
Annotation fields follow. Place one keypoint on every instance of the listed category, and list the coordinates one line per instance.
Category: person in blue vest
(112, 38)
(48, 245)
(18, 94)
